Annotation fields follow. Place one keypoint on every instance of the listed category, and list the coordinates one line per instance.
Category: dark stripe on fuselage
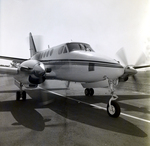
(81, 62)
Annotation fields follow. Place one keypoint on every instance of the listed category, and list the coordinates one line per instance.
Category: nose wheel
(113, 109)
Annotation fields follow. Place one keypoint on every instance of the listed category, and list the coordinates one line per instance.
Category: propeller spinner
(130, 70)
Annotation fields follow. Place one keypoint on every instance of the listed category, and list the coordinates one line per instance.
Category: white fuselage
(79, 65)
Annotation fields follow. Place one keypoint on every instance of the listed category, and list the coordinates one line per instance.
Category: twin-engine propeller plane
(71, 62)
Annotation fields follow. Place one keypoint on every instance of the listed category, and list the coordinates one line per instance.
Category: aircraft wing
(18, 60)
(142, 66)
(8, 70)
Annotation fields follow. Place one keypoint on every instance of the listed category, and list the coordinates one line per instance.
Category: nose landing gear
(113, 108)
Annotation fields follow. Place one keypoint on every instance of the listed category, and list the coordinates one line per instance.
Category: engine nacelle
(36, 80)
(31, 72)
(123, 79)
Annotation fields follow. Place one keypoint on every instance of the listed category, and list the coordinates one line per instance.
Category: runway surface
(72, 119)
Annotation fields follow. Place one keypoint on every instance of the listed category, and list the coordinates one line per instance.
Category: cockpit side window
(88, 48)
(65, 50)
(79, 46)
(82, 47)
(73, 47)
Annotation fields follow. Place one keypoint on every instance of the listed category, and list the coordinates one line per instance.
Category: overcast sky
(107, 25)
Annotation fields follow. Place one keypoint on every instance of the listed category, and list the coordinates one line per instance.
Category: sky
(106, 25)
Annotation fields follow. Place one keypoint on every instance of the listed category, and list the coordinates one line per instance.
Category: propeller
(35, 70)
(122, 56)
(130, 70)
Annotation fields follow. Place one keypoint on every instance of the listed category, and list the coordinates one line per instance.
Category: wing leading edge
(9, 70)
(18, 60)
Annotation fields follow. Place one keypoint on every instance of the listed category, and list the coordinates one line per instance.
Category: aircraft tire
(115, 110)
(24, 95)
(87, 92)
(91, 91)
(18, 96)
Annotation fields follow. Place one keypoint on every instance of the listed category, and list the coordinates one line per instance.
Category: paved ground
(67, 122)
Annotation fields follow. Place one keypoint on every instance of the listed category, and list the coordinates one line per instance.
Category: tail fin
(33, 50)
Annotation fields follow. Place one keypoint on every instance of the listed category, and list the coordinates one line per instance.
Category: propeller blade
(141, 59)
(137, 83)
(134, 78)
(121, 55)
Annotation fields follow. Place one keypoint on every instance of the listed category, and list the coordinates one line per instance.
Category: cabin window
(42, 55)
(51, 52)
(91, 66)
(39, 55)
(47, 53)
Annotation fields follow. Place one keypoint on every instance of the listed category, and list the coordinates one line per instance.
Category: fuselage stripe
(81, 62)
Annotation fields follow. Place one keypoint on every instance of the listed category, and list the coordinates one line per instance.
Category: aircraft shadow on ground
(94, 117)
(25, 114)
(105, 99)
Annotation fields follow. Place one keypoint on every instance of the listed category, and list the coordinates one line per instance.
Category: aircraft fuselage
(78, 65)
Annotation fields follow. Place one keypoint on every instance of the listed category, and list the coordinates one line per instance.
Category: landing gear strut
(21, 94)
(113, 108)
(89, 91)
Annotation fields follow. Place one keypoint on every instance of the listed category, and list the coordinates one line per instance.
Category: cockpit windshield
(79, 46)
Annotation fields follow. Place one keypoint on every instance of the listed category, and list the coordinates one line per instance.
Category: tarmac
(69, 118)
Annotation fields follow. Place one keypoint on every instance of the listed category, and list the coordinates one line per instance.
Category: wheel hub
(111, 109)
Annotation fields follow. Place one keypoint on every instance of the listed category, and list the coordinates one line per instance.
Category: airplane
(70, 62)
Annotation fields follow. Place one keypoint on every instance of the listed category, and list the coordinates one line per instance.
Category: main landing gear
(20, 94)
(89, 91)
